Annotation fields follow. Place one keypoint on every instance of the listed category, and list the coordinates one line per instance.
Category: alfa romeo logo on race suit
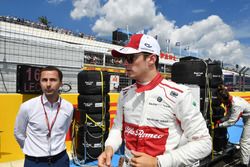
(140, 133)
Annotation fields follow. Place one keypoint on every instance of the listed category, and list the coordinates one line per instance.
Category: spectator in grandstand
(94, 60)
(117, 60)
(236, 107)
(42, 123)
(154, 114)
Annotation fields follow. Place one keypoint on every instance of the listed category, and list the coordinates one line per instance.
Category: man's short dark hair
(53, 68)
(223, 93)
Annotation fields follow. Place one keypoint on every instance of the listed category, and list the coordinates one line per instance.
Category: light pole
(178, 44)
(240, 77)
(187, 49)
(168, 45)
(243, 82)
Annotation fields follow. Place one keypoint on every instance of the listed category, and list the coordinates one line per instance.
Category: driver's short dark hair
(145, 54)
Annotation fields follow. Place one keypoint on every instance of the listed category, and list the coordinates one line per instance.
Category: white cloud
(213, 39)
(85, 8)
(209, 38)
(199, 36)
(102, 26)
(123, 13)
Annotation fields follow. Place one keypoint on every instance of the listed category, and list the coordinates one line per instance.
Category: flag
(186, 48)
(178, 44)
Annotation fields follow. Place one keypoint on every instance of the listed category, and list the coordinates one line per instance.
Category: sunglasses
(130, 58)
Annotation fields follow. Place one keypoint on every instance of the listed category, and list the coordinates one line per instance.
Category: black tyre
(205, 161)
(215, 75)
(220, 139)
(211, 97)
(202, 98)
(89, 145)
(96, 122)
(93, 103)
(93, 82)
(215, 100)
(189, 72)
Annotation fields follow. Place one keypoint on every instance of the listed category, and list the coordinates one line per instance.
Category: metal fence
(22, 44)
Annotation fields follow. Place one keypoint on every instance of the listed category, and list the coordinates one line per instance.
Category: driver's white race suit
(153, 119)
(240, 108)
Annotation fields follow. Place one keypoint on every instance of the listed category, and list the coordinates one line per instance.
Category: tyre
(89, 145)
(95, 122)
(93, 103)
(93, 82)
(205, 161)
(189, 72)
(220, 139)
(202, 98)
(215, 100)
(215, 75)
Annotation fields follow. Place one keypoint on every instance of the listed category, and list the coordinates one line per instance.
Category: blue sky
(216, 29)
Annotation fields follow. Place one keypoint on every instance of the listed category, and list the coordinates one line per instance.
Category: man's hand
(143, 160)
(217, 124)
(104, 160)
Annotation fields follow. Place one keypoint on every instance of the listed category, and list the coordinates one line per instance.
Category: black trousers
(59, 160)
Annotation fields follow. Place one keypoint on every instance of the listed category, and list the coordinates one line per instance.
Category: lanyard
(46, 117)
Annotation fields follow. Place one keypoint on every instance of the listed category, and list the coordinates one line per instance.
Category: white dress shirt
(31, 128)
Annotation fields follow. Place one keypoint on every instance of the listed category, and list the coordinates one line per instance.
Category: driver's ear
(152, 58)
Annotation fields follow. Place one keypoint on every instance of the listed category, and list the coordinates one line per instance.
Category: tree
(43, 20)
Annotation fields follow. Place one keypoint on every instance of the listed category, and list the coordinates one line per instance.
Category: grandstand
(23, 42)
(29, 43)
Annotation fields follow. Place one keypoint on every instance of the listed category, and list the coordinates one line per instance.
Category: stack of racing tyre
(92, 119)
(215, 109)
(208, 76)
